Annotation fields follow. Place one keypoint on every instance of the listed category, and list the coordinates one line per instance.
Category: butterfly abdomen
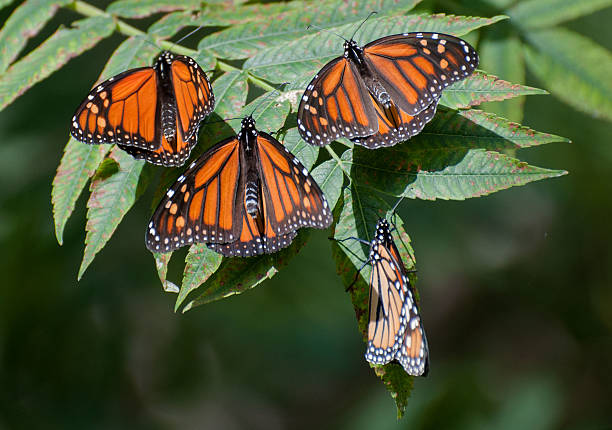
(168, 119)
(251, 198)
(167, 100)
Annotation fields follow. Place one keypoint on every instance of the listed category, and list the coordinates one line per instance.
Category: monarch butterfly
(385, 92)
(395, 331)
(247, 195)
(150, 112)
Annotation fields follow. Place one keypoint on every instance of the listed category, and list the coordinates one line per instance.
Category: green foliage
(110, 199)
(545, 13)
(503, 56)
(570, 66)
(4, 3)
(237, 275)
(77, 166)
(51, 55)
(142, 8)
(576, 69)
(247, 39)
(297, 61)
(479, 88)
(254, 50)
(24, 22)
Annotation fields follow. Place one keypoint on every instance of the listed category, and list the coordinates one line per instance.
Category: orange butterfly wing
(395, 125)
(201, 206)
(292, 198)
(415, 67)
(120, 110)
(193, 94)
(336, 104)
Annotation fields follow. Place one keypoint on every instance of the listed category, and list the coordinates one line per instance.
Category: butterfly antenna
(187, 35)
(267, 96)
(325, 30)
(363, 22)
(153, 43)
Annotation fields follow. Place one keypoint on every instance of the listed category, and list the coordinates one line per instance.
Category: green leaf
(439, 173)
(161, 264)
(200, 263)
(502, 55)
(239, 14)
(245, 40)
(133, 52)
(230, 90)
(360, 210)
(500, 4)
(142, 8)
(306, 153)
(452, 159)
(269, 113)
(532, 14)
(4, 3)
(479, 88)
(237, 275)
(330, 178)
(51, 55)
(474, 128)
(297, 61)
(78, 165)
(168, 25)
(25, 22)
(573, 68)
(109, 201)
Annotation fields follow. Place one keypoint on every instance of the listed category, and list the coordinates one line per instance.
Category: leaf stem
(339, 161)
(126, 29)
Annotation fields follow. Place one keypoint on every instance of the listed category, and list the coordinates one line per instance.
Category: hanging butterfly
(247, 195)
(385, 92)
(150, 112)
(395, 331)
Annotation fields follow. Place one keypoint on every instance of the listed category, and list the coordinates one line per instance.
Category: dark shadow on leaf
(237, 275)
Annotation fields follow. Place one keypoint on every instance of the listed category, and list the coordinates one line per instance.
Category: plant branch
(126, 29)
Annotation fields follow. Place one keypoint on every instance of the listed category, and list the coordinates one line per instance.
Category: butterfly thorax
(162, 65)
(354, 53)
(383, 233)
(167, 101)
(248, 140)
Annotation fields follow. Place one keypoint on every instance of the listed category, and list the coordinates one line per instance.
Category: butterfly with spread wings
(150, 112)
(247, 195)
(385, 92)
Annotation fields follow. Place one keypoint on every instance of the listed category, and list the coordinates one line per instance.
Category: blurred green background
(516, 293)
